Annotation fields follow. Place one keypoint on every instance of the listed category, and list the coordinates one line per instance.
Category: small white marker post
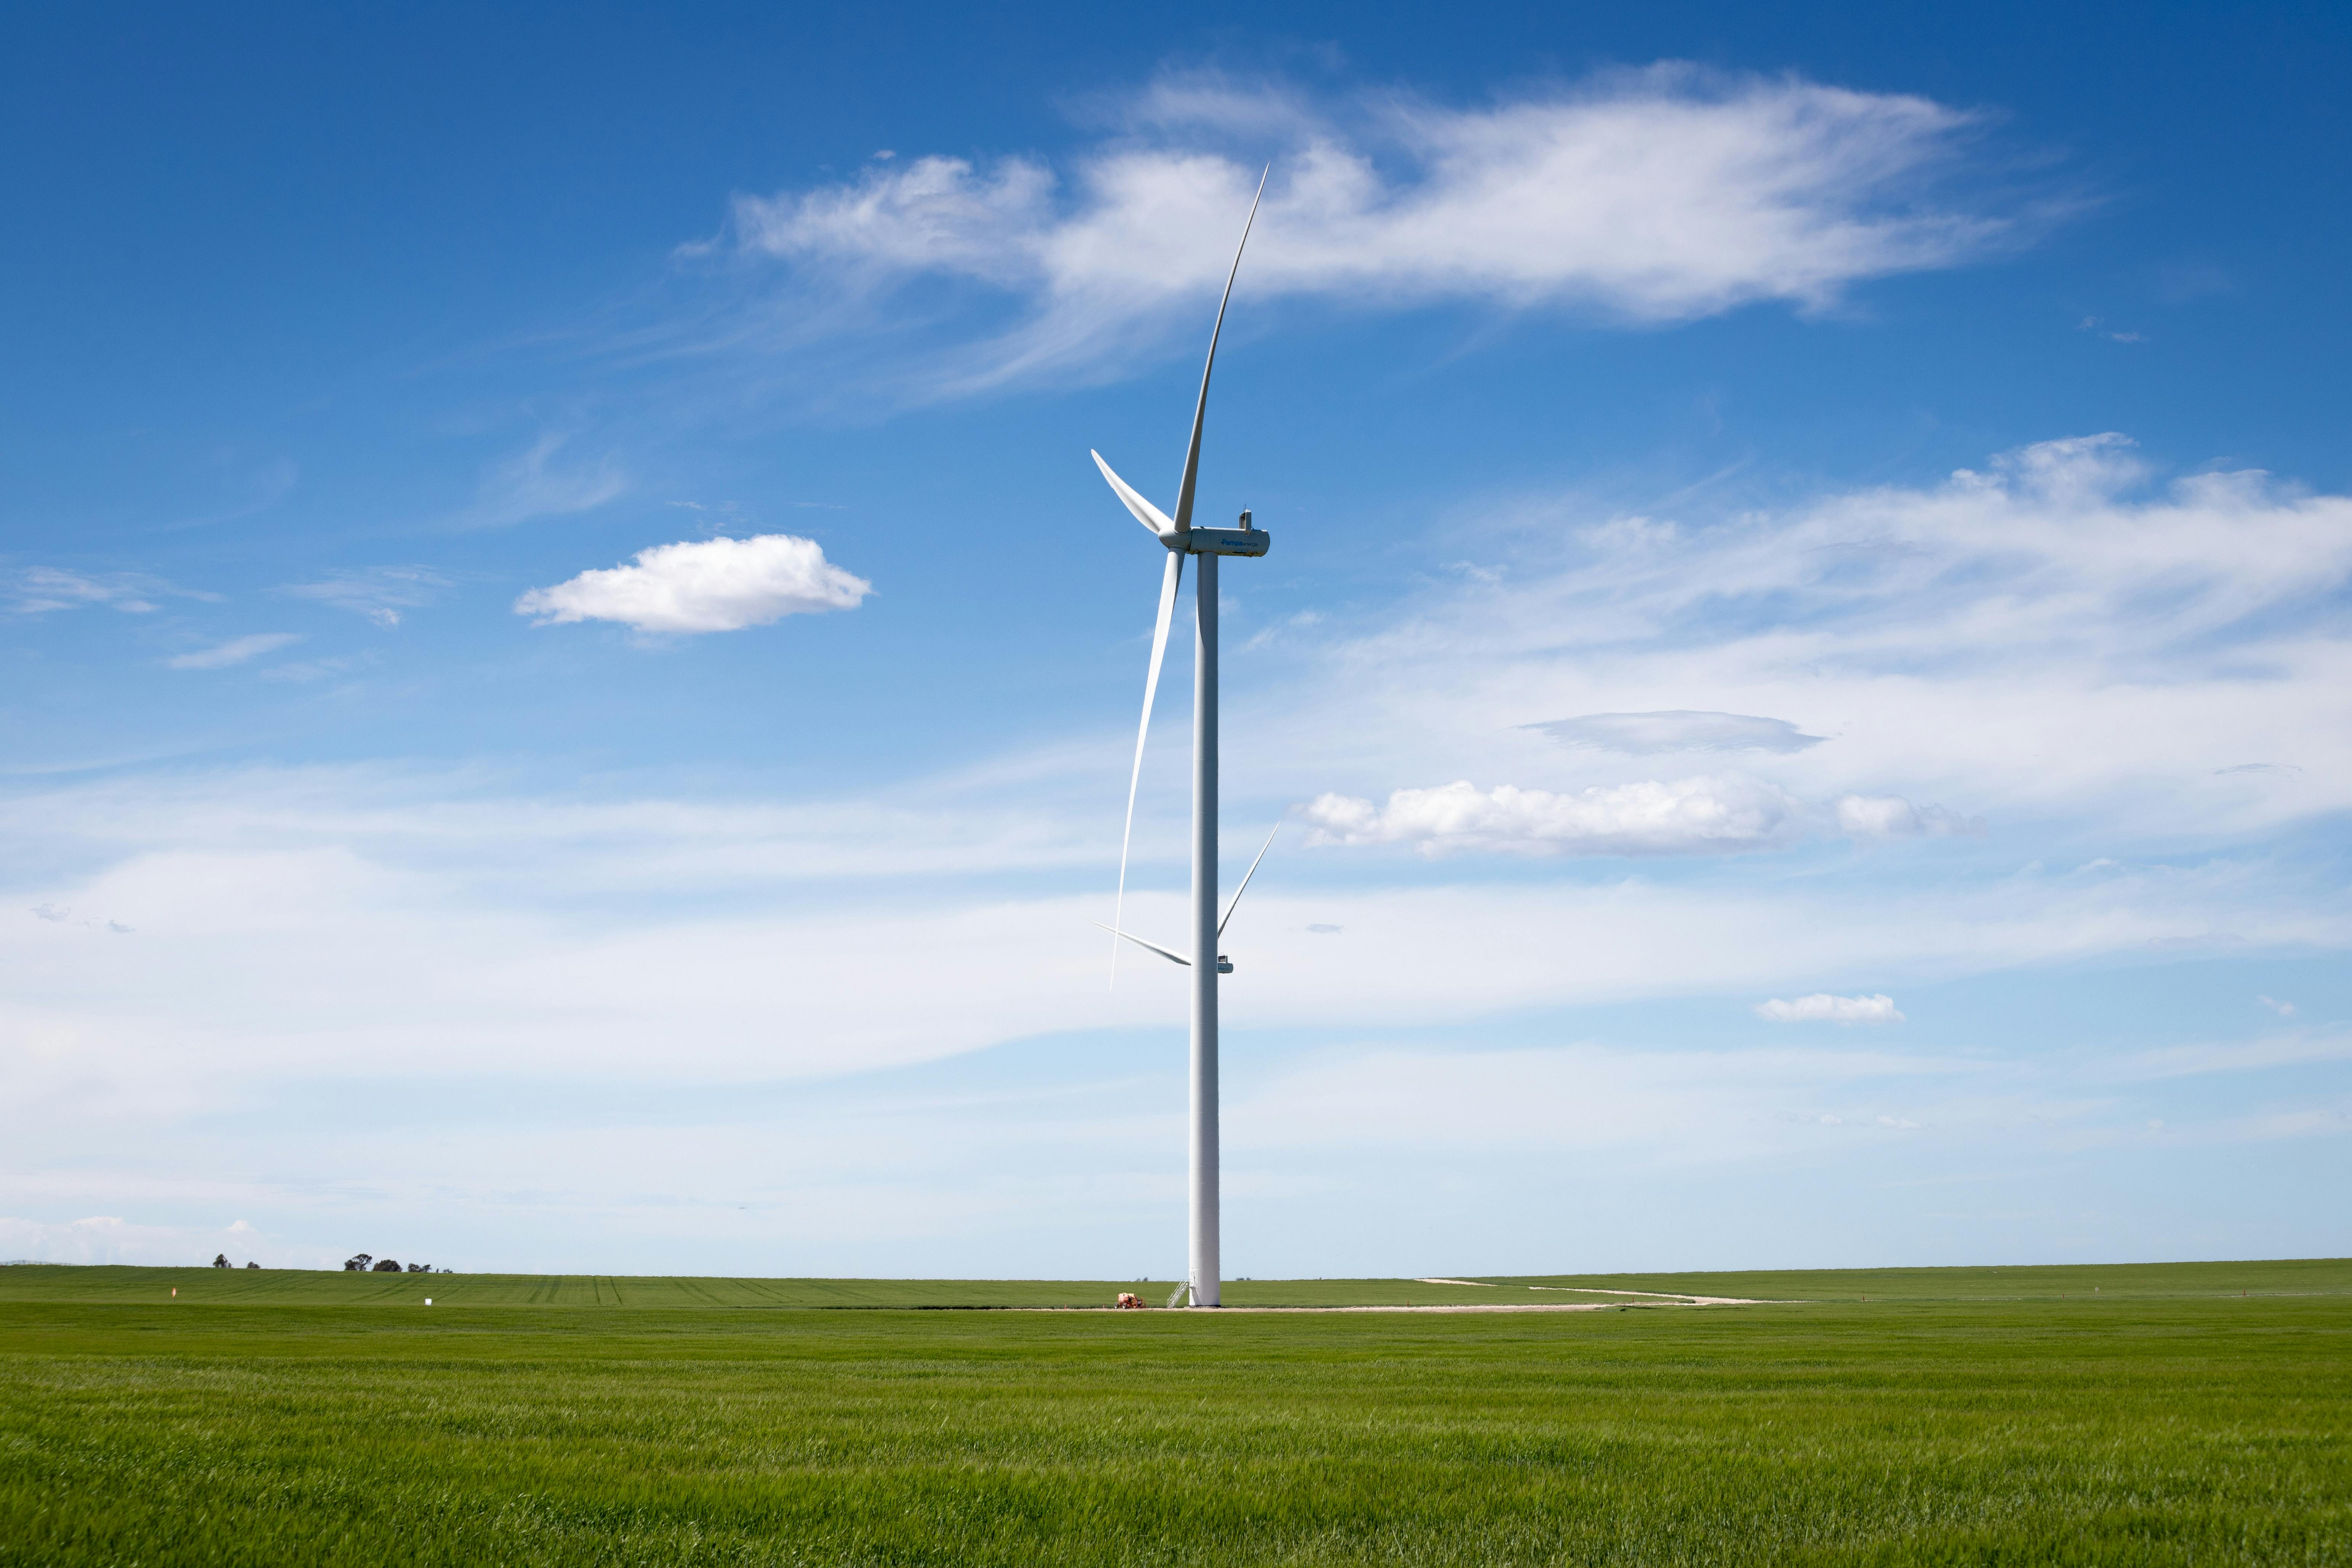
(428, 1301)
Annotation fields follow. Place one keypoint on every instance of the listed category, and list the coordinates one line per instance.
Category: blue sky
(569, 674)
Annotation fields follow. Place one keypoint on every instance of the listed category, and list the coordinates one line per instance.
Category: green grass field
(2133, 1415)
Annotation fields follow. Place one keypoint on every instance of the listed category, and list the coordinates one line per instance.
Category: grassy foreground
(1959, 1416)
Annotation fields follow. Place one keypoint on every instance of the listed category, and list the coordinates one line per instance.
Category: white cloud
(2058, 547)
(1824, 1009)
(1645, 196)
(1677, 1107)
(2283, 1009)
(235, 650)
(710, 585)
(534, 482)
(1665, 1109)
(1685, 816)
(1892, 816)
(38, 590)
(310, 669)
(2054, 636)
(284, 921)
(1678, 729)
(2284, 1123)
(113, 1239)
(2237, 1055)
(486, 964)
(379, 593)
(375, 923)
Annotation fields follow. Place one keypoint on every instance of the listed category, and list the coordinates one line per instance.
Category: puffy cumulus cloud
(1645, 196)
(706, 585)
(1676, 729)
(1821, 1008)
(1686, 816)
(1892, 816)
(235, 650)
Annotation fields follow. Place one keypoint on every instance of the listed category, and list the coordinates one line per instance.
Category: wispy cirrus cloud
(2058, 632)
(2233, 1056)
(540, 480)
(250, 489)
(111, 1239)
(2062, 546)
(1892, 816)
(235, 650)
(1823, 1008)
(282, 916)
(645, 949)
(39, 590)
(1678, 729)
(1639, 198)
(379, 593)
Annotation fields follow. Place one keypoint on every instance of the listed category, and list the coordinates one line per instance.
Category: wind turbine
(1206, 544)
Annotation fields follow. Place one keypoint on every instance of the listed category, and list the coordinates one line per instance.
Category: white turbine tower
(1206, 543)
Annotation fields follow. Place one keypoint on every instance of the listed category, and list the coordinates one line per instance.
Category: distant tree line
(357, 1263)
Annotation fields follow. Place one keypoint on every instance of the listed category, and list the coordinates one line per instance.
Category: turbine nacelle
(1242, 541)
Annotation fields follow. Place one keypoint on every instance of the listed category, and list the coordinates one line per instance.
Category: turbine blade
(1200, 410)
(1171, 957)
(1150, 516)
(1168, 581)
(1246, 876)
